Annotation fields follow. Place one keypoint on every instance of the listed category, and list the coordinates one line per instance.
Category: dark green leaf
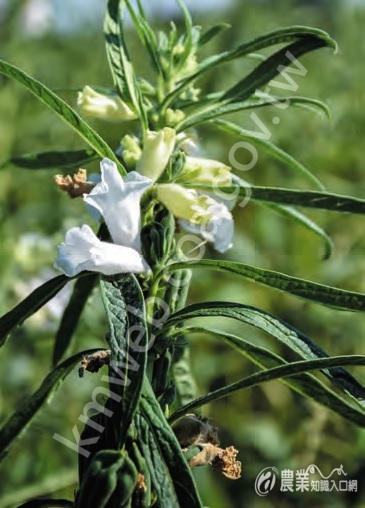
(270, 148)
(284, 332)
(124, 304)
(30, 305)
(326, 295)
(22, 416)
(280, 36)
(62, 160)
(305, 384)
(290, 369)
(307, 199)
(47, 503)
(305, 221)
(170, 473)
(62, 109)
(72, 313)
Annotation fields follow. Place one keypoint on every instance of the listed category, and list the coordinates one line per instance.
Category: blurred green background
(270, 425)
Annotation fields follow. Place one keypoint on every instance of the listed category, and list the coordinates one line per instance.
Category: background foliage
(270, 425)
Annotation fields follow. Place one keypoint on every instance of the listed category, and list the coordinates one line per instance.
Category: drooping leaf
(306, 384)
(305, 198)
(61, 160)
(295, 340)
(124, 305)
(62, 109)
(29, 407)
(313, 291)
(269, 147)
(286, 370)
(30, 305)
(71, 315)
(170, 473)
(303, 220)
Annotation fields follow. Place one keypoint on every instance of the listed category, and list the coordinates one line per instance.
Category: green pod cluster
(158, 237)
(109, 482)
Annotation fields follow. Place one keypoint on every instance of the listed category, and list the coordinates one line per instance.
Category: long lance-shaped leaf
(164, 456)
(212, 32)
(22, 416)
(120, 64)
(304, 198)
(303, 220)
(71, 315)
(66, 160)
(124, 305)
(30, 305)
(313, 291)
(277, 328)
(306, 384)
(62, 109)
(217, 106)
(259, 77)
(290, 369)
(281, 36)
(269, 147)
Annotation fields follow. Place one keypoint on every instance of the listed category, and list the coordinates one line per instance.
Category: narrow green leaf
(72, 313)
(124, 305)
(30, 305)
(277, 328)
(291, 369)
(218, 107)
(160, 445)
(62, 109)
(270, 68)
(306, 384)
(280, 36)
(270, 148)
(303, 220)
(22, 416)
(313, 291)
(212, 32)
(121, 67)
(61, 160)
(304, 198)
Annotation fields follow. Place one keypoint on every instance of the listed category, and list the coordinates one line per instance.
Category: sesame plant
(156, 204)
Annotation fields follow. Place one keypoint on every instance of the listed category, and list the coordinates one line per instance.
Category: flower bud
(205, 172)
(131, 151)
(104, 107)
(157, 149)
(184, 203)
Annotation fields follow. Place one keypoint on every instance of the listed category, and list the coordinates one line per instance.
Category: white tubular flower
(205, 172)
(157, 150)
(118, 202)
(199, 214)
(104, 107)
(82, 250)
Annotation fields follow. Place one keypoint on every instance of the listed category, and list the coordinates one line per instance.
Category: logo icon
(265, 481)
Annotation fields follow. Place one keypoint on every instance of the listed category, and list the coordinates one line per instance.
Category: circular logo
(265, 481)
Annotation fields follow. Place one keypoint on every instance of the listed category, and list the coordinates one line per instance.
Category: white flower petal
(157, 149)
(105, 107)
(118, 201)
(82, 250)
(218, 230)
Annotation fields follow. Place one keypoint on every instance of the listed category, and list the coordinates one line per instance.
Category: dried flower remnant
(75, 186)
(93, 363)
(141, 484)
(226, 462)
